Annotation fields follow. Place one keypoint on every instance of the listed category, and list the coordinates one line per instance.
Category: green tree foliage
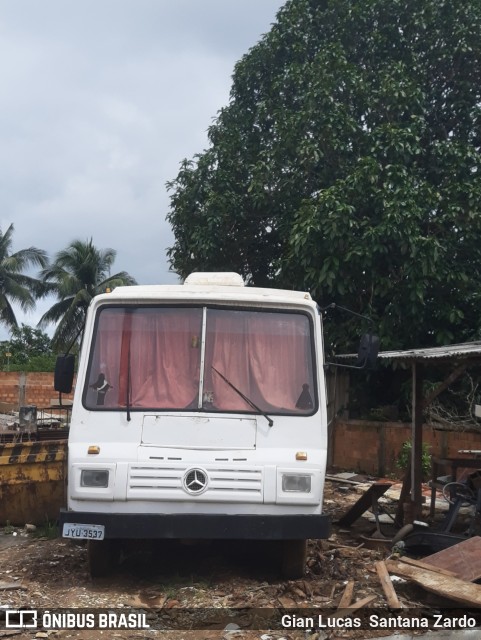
(78, 273)
(26, 342)
(347, 163)
(30, 349)
(15, 286)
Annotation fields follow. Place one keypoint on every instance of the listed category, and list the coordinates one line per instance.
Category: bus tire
(294, 556)
(102, 557)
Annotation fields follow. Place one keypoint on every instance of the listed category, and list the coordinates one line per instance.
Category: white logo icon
(20, 619)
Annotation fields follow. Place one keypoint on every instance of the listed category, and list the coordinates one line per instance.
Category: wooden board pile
(449, 574)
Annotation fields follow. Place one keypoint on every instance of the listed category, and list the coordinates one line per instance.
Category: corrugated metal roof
(453, 351)
(463, 350)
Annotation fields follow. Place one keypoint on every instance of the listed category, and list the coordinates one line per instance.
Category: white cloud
(100, 102)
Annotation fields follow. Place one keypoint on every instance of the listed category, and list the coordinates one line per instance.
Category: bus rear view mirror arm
(368, 346)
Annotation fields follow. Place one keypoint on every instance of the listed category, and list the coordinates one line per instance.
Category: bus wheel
(102, 557)
(294, 555)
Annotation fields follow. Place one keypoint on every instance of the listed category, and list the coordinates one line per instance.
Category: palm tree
(15, 286)
(78, 273)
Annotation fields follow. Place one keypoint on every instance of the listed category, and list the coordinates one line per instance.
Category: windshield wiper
(244, 397)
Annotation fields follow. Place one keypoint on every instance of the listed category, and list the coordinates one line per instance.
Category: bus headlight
(294, 482)
(94, 478)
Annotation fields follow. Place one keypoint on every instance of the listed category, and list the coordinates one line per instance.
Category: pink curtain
(165, 358)
(106, 357)
(226, 351)
(266, 356)
(163, 346)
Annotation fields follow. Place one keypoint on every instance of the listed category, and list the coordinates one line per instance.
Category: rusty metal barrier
(32, 481)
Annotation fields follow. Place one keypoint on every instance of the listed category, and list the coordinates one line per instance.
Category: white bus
(199, 412)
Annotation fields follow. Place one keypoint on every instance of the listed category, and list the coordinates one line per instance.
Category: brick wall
(19, 389)
(373, 447)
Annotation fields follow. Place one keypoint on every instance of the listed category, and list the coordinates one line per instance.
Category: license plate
(83, 531)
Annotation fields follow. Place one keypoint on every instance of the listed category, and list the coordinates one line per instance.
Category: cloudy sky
(100, 101)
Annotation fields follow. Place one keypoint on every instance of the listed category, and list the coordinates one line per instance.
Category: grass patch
(48, 530)
(8, 529)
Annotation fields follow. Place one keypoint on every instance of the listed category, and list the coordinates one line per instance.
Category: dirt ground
(173, 579)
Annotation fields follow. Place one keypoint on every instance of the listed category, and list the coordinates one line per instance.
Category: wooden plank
(343, 480)
(6, 586)
(365, 502)
(464, 559)
(417, 440)
(387, 586)
(346, 599)
(348, 611)
(455, 589)
(399, 519)
(424, 565)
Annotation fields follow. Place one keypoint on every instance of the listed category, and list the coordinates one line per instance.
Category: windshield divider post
(200, 401)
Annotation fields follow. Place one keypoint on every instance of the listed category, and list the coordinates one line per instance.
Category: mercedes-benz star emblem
(195, 481)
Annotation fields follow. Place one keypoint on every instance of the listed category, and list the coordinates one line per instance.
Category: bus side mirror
(64, 370)
(368, 350)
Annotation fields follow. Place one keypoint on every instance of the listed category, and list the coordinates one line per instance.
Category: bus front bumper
(205, 526)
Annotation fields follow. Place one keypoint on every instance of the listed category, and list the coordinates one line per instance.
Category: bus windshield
(183, 358)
